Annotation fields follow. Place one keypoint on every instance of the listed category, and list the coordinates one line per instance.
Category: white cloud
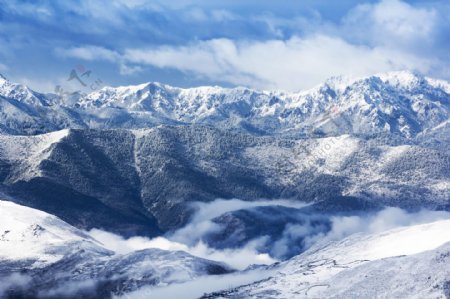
(295, 237)
(402, 20)
(293, 64)
(263, 249)
(70, 289)
(40, 84)
(373, 38)
(15, 281)
(239, 258)
(196, 14)
(386, 219)
(392, 24)
(267, 45)
(125, 69)
(120, 245)
(189, 238)
(198, 287)
(92, 53)
(89, 53)
(221, 15)
(201, 223)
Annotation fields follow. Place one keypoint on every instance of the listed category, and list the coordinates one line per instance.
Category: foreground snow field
(60, 260)
(408, 262)
(42, 256)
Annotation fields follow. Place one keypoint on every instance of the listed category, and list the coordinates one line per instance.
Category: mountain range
(401, 103)
(226, 172)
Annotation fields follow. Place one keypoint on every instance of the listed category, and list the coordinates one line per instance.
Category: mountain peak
(341, 82)
(401, 78)
(371, 104)
(397, 78)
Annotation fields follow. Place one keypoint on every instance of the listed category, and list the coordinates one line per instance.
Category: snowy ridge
(401, 103)
(46, 238)
(370, 104)
(21, 93)
(29, 152)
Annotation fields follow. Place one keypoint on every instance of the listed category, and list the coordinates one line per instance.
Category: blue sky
(289, 45)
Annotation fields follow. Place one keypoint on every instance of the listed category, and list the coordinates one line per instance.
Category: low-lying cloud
(239, 258)
(386, 219)
(198, 287)
(341, 227)
(264, 248)
(202, 224)
(190, 237)
(13, 282)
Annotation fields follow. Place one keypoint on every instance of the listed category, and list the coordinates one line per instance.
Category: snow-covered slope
(27, 152)
(409, 262)
(21, 93)
(42, 256)
(402, 103)
(142, 182)
(29, 234)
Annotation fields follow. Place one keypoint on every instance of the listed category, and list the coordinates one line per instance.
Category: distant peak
(403, 73)
(402, 78)
(341, 82)
(142, 86)
(3, 78)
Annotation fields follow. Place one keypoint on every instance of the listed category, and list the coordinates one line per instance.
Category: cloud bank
(198, 287)
(15, 281)
(342, 226)
(266, 248)
(293, 64)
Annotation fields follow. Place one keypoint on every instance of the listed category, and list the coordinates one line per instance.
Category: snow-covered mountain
(21, 93)
(142, 182)
(147, 159)
(408, 262)
(44, 257)
(401, 103)
(24, 111)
